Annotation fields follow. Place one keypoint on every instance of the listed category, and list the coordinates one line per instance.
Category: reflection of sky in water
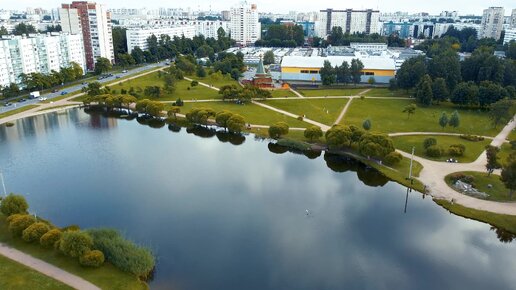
(221, 216)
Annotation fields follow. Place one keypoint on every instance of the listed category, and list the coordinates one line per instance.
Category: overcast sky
(431, 6)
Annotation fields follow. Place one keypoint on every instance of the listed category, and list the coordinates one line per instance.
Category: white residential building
(245, 27)
(38, 53)
(492, 23)
(93, 21)
(351, 21)
(510, 35)
(138, 36)
(207, 28)
(513, 18)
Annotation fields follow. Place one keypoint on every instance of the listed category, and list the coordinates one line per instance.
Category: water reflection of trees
(279, 149)
(368, 176)
(235, 139)
(200, 131)
(503, 235)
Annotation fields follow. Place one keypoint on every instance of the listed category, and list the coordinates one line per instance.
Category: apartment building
(351, 21)
(138, 36)
(245, 27)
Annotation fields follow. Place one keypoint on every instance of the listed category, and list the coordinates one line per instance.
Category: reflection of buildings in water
(101, 122)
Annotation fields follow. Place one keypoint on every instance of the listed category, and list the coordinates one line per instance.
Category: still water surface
(225, 216)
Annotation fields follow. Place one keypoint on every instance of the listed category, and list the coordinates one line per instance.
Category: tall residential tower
(93, 21)
(245, 27)
(351, 21)
(492, 23)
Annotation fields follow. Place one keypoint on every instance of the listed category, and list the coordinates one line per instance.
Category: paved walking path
(320, 125)
(296, 93)
(203, 84)
(344, 110)
(433, 173)
(46, 268)
(431, 133)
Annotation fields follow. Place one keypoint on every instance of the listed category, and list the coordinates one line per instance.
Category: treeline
(479, 80)
(278, 35)
(343, 74)
(91, 247)
(23, 28)
(338, 38)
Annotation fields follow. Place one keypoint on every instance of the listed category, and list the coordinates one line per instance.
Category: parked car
(7, 104)
(64, 93)
(54, 91)
(124, 71)
(22, 100)
(42, 99)
(117, 77)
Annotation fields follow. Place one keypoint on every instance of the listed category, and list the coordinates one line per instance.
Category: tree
(356, 70)
(268, 57)
(428, 142)
(222, 118)
(393, 84)
(125, 60)
(411, 72)
(343, 73)
(489, 92)
(75, 243)
(424, 91)
(10, 91)
(279, 129)
(13, 204)
(3, 31)
(93, 89)
(510, 53)
(23, 28)
(170, 83)
(454, 119)
(194, 83)
(327, 73)
(313, 133)
(236, 123)
(201, 72)
(392, 158)
(375, 145)
(410, 110)
(338, 136)
(440, 91)
(34, 232)
(466, 93)
(509, 175)
(492, 159)
(119, 40)
(102, 65)
(138, 55)
(152, 91)
(19, 223)
(367, 124)
(446, 65)
(501, 112)
(443, 120)
(50, 238)
(172, 112)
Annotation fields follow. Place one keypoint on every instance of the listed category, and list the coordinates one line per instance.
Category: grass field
(331, 92)
(506, 222)
(283, 94)
(505, 151)
(19, 110)
(387, 117)
(498, 191)
(15, 276)
(473, 149)
(226, 80)
(324, 111)
(252, 113)
(199, 92)
(106, 277)
(385, 92)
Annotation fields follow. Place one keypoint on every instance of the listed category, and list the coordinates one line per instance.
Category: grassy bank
(106, 277)
(331, 92)
(15, 276)
(497, 192)
(506, 222)
(16, 111)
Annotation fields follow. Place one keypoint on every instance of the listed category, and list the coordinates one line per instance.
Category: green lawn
(386, 116)
(498, 192)
(385, 92)
(106, 277)
(16, 111)
(324, 111)
(505, 151)
(283, 94)
(506, 222)
(199, 92)
(512, 135)
(331, 92)
(226, 80)
(473, 149)
(15, 276)
(253, 114)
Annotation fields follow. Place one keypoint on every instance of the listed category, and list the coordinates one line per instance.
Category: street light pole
(411, 159)
(3, 183)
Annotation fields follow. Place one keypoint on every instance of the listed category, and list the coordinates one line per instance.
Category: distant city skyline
(433, 7)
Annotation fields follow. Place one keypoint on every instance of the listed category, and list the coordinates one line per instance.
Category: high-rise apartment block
(245, 27)
(492, 22)
(93, 21)
(38, 54)
(351, 21)
(137, 37)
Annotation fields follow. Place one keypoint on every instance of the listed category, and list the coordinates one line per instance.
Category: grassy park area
(324, 111)
(252, 113)
(473, 149)
(387, 117)
(497, 192)
(283, 94)
(386, 93)
(505, 151)
(106, 277)
(331, 92)
(19, 110)
(216, 80)
(16, 276)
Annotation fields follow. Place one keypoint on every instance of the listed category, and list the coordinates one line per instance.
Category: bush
(456, 150)
(392, 158)
(462, 177)
(13, 216)
(20, 223)
(473, 138)
(434, 151)
(71, 228)
(34, 232)
(50, 238)
(429, 142)
(300, 118)
(124, 254)
(279, 129)
(93, 258)
(9, 124)
(75, 243)
(12, 204)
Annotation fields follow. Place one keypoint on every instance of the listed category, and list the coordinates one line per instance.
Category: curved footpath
(48, 269)
(434, 172)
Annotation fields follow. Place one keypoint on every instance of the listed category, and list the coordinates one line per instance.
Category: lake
(228, 214)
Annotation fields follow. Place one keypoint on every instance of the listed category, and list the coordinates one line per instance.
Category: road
(79, 87)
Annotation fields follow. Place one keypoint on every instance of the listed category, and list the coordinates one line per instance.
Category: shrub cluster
(462, 177)
(19, 223)
(473, 138)
(429, 142)
(434, 151)
(75, 243)
(93, 258)
(392, 158)
(34, 232)
(456, 150)
(13, 204)
(50, 238)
